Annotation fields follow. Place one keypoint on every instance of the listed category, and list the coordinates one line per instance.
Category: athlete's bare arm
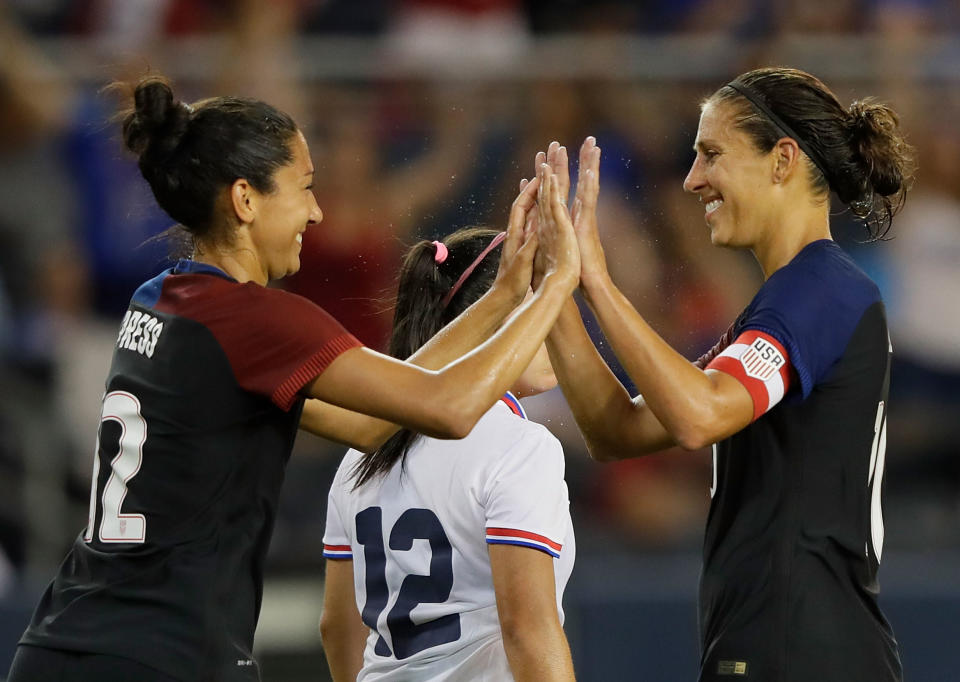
(694, 407)
(533, 638)
(463, 334)
(343, 634)
(446, 403)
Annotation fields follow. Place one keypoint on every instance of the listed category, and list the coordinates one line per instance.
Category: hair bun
(157, 122)
(879, 143)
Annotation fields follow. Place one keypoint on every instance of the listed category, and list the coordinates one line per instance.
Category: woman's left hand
(520, 245)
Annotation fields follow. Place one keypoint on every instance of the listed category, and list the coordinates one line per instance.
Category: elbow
(454, 419)
(455, 426)
(693, 438)
(368, 446)
(696, 432)
(327, 629)
(601, 453)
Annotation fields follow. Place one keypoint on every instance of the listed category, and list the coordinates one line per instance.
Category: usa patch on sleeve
(761, 364)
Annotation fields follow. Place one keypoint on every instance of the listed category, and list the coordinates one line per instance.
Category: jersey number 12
(408, 637)
(123, 408)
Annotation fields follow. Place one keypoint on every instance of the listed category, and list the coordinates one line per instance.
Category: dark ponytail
(860, 153)
(420, 313)
(190, 154)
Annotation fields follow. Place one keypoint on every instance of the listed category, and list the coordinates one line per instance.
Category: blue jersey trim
(185, 266)
(514, 404)
(148, 293)
(521, 543)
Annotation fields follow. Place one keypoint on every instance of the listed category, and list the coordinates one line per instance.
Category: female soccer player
(793, 397)
(455, 552)
(204, 397)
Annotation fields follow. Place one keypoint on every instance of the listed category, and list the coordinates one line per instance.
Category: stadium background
(422, 116)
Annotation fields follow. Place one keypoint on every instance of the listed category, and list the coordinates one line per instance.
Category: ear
(786, 155)
(243, 200)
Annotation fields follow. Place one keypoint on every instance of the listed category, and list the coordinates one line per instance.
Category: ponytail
(428, 276)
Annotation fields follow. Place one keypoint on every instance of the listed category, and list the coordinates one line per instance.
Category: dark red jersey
(199, 418)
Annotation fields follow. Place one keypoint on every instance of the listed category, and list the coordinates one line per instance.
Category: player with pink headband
(478, 597)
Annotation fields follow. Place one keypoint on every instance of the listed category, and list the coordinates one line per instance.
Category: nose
(695, 182)
(316, 215)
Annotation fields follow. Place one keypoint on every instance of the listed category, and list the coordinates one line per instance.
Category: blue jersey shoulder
(812, 306)
(148, 293)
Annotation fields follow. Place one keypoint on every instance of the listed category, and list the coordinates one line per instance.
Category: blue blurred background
(422, 116)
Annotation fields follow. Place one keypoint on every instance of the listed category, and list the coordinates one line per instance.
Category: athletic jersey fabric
(418, 539)
(199, 418)
(795, 531)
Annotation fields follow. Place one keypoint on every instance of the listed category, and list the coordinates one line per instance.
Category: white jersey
(418, 539)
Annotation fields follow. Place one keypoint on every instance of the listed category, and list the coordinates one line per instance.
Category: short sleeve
(296, 344)
(336, 542)
(525, 497)
(811, 308)
(276, 342)
(761, 364)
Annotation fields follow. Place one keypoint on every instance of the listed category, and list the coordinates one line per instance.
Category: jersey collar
(511, 401)
(185, 266)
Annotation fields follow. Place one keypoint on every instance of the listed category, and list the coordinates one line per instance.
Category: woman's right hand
(557, 254)
(593, 264)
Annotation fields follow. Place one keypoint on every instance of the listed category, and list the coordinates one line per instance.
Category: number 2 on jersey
(408, 637)
(123, 408)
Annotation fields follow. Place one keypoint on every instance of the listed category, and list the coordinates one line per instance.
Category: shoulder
(343, 479)
(505, 432)
(821, 278)
(812, 306)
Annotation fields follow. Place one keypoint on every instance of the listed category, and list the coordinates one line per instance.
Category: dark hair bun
(878, 142)
(157, 122)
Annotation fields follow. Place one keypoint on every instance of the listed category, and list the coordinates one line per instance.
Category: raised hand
(557, 252)
(520, 245)
(593, 264)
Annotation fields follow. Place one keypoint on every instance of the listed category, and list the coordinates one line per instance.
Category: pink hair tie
(442, 253)
(470, 268)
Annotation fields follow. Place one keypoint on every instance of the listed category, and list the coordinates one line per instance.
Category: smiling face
(733, 179)
(284, 214)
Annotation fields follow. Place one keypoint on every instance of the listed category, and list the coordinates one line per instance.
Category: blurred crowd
(416, 153)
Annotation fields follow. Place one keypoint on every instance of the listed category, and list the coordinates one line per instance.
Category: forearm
(682, 397)
(539, 653)
(468, 330)
(613, 426)
(494, 366)
(344, 657)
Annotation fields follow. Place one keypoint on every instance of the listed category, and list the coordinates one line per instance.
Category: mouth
(711, 207)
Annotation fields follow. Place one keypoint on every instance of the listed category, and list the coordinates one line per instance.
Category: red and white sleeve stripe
(523, 538)
(337, 551)
(761, 364)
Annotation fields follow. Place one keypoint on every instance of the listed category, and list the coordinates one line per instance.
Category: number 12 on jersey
(408, 637)
(123, 408)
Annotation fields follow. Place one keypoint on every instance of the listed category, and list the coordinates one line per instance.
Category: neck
(789, 236)
(238, 262)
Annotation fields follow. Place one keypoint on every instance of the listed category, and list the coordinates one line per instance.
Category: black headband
(757, 100)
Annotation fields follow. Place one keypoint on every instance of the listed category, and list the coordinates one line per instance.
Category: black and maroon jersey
(795, 533)
(199, 418)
